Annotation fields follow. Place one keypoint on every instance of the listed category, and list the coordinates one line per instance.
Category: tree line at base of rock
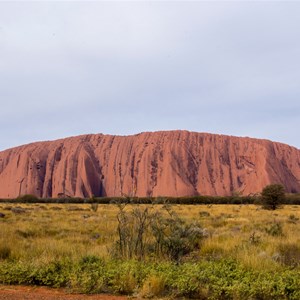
(271, 197)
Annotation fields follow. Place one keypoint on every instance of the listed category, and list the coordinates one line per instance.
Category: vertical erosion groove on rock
(166, 163)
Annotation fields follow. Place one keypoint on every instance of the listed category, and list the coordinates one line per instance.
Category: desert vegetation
(193, 251)
(271, 194)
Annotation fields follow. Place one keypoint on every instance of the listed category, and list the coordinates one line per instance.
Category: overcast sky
(70, 68)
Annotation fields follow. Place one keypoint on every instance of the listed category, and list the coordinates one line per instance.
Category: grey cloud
(70, 68)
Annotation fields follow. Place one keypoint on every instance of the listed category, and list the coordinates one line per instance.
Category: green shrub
(54, 274)
(293, 219)
(143, 232)
(28, 198)
(275, 229)
(289, 254)
(89, 275)
(222, 279)
(204, 214)
(189, 200)
(5, 252)
(272, 196)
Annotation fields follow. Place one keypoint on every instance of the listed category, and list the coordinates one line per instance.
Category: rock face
(167, 163)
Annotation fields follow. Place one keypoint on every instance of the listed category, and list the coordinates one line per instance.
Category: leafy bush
(54, 274)
(273, 196)
(28, 198)
(174, 238)
(204, 214)
(143, 232)
(223, 279)
(5, 252)
(275, 229)
(293, 219)
(89, 275)
(189, 200)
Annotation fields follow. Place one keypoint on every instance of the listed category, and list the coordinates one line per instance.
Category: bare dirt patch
(11, 292)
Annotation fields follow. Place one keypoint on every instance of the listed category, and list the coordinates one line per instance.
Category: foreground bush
(272, 196)
(146, 232)
(224, 279)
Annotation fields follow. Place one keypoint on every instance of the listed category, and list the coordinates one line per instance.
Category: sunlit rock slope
(166, 163)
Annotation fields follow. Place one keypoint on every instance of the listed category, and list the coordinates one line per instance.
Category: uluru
(163, 163)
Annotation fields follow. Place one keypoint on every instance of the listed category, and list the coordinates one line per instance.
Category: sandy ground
(9, 292)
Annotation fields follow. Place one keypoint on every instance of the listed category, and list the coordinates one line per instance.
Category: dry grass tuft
(257, 238)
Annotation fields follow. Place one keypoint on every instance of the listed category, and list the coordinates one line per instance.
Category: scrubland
(242, 252)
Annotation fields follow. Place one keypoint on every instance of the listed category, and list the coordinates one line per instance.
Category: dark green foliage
(174, 237)
(132, 229)
(293, 199)
(272, 196)
(293, 219)
(190, 200)
(88, 276)
(289, 199)
(204, 214)
(28, 198)
(223, 279)
(5, 252)
(275, 229)
(15, 272)
(54, 274)
(144, 232)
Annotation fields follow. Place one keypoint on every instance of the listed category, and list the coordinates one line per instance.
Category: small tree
(272, 196)
(144, 231)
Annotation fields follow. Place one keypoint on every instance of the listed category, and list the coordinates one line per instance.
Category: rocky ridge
(164, 163)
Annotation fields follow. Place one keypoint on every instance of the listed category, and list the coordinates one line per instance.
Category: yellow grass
(53, 231)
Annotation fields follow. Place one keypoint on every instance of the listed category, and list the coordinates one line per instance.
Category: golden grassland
(245, 252)
(256, 238)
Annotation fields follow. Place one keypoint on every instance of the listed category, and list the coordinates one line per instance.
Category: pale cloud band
(69, 68)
